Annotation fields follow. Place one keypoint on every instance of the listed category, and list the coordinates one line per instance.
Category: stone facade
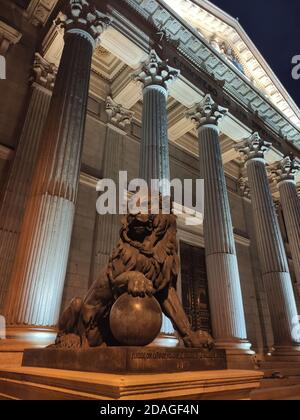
(111, 142)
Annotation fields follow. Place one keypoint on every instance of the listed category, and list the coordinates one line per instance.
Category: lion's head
(148, 245)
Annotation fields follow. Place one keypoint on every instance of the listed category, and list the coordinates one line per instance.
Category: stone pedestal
(42, 255)
(226, 301)
(127, 360)
(273, 260)
(45, 384)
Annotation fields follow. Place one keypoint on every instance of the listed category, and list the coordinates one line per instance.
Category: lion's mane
(156, 257)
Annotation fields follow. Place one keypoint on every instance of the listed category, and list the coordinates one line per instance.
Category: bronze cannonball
(135, 321)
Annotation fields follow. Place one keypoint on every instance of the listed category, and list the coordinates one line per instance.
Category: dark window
(195, 287)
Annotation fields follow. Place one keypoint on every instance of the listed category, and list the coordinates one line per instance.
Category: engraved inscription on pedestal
(128, 359)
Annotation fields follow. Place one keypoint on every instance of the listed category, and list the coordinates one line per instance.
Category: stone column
(156, 76)
(226, 301)
(107, 227)
(283, 173)
(21, 172)
(265, 340)
(42, 255)
(273, 260)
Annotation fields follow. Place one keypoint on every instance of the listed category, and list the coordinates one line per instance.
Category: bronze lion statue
(145, 262)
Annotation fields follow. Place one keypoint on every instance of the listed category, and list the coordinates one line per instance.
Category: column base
(19, 338)
(285, 354)
(238, 353)
(235, 346)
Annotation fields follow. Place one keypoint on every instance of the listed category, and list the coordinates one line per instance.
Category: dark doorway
(194, 286)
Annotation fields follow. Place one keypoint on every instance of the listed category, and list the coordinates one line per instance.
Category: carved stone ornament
(44, 72)
(154, 71)
(82, 17)
(8, 36)
(206, 112)
(285, 170)
(253, 148)
(245, 188)
(117, 114)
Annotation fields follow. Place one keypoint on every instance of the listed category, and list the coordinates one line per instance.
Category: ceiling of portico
(104, 63)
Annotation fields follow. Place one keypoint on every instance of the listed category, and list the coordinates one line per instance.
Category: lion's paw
(139, 285)
(198, 339)
(68, 341)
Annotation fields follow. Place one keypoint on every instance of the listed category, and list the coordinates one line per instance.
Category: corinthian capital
(154, 71)
(82, 17)
(253, 148)
(245, 188)
(44, 72)
(206, 112)
(117, 114)
(285, 170)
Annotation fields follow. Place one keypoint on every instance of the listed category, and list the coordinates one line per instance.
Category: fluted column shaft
(18, 185)
(225, 294)
(273, 260)
(154, 155)
(107, 226)
(290, 203)
(42, 255)
(226, 302)
(156, 76)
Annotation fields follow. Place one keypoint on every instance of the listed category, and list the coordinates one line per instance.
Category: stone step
(10, 358)
(15, 389)
(286, 369)
(50, 384)
(279, 383)
(277, 393)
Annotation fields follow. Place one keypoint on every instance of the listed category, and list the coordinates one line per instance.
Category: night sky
(274, 27)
